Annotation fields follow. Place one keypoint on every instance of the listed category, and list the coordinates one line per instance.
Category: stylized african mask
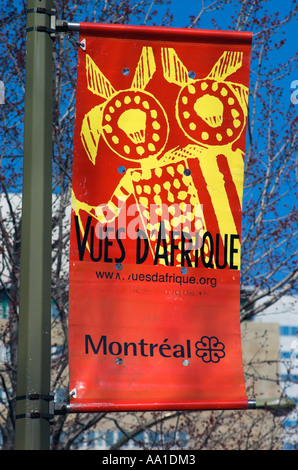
(205, 106)
(132, 122)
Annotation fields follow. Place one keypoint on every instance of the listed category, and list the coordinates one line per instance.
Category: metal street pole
(33, 377)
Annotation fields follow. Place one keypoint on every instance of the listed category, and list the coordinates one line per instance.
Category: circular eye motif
(209, 112)
(135, 125)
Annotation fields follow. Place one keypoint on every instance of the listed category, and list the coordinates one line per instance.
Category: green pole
(33, 375)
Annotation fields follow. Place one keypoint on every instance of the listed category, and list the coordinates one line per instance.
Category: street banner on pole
(154, 293)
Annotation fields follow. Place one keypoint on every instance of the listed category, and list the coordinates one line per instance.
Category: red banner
(154, 292)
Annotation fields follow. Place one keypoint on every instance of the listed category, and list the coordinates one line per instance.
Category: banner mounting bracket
(37, 413)
(51, 13)
(65, 26)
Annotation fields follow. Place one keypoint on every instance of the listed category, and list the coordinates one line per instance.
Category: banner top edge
(164, 33)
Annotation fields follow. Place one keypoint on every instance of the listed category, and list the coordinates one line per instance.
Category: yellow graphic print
(135, 126)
